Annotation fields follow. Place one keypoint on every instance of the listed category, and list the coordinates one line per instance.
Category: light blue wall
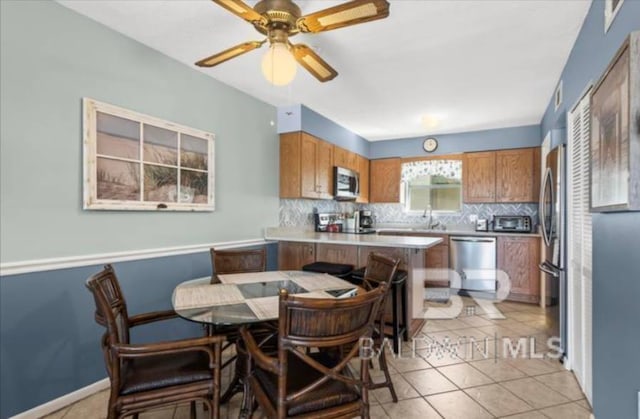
(289, 118)
(495, 139)
(51, 58)
(300, 118)
(616, 237)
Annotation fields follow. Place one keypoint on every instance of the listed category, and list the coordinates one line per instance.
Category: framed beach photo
(615, 136)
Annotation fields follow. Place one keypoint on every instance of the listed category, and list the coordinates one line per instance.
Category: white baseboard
(63, 401)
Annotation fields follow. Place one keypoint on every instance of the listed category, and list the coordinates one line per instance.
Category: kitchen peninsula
(299, 247)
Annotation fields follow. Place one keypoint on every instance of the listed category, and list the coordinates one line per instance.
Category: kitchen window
(136, 162)
(434, 183)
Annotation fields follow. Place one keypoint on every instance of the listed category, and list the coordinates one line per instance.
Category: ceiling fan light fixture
(278, 64)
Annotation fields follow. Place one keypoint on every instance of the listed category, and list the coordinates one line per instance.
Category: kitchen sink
(429, 230)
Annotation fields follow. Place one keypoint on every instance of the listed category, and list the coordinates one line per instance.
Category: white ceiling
(476, 64)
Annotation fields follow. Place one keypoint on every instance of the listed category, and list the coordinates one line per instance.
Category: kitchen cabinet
(292, 256)
(385, 180)
(479, 177)
(345, 158)
(363, 170)
(337, 253)
(436, 260)
(519, 257)
(515, 175)
(502, 176)
(306, 166)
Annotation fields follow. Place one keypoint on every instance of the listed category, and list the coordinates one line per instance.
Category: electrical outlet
(473, 218)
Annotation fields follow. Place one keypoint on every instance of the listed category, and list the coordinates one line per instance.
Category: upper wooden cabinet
(385, 180)
(479, 177)
(345, 158)
(502, 176)
(515, 178)
(363, 170)
(306, 166)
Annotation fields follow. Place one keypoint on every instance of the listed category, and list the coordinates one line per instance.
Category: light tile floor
(449, 375)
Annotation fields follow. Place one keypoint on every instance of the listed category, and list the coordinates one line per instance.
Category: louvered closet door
(579, 245)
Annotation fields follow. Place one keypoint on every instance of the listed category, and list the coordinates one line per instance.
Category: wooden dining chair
(298, 382)
(236, 261)
(152, 375)
(233, 262)
(380, 271)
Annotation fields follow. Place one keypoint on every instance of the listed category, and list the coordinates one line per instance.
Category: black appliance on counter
(512, 223)
(365, 218)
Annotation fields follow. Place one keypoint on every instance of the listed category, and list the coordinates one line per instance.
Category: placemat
(206, 295)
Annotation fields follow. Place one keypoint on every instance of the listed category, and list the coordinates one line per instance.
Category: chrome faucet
(430, 223)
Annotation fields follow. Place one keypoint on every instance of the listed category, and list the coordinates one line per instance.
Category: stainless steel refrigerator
(552, 214)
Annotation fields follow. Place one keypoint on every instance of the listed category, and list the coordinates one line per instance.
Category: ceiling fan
(281, 19)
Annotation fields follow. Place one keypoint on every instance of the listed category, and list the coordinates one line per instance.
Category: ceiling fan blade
(242, 9)
(347, 14)
(230, 53)
(312, 62)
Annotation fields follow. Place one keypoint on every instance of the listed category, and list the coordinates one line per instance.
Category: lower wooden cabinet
(390, 252)
(519, 258)
(337, 253)
(292, 256)
(436, 260)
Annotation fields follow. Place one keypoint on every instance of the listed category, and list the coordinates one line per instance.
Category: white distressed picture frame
(91, 200)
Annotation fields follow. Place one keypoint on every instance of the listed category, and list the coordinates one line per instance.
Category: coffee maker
(365, 220)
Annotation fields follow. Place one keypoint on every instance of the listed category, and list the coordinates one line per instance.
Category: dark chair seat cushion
(155, 372)
(331, 393)
(336, 269)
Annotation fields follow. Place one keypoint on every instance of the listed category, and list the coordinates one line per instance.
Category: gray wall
(51, 58)
(299, 117)
(616, 237)
(616, 314)
(495, 139)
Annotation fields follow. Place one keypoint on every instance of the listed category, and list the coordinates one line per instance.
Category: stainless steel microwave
(346, 184)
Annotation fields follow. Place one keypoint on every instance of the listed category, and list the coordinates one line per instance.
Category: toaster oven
(512, 223)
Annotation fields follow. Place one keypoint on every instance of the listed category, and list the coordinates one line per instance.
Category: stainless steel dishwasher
(474, 259)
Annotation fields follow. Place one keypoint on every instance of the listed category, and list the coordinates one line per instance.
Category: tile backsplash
(298, 212)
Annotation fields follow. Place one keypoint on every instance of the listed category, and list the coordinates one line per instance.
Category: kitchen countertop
(453, 232)
(306, 236)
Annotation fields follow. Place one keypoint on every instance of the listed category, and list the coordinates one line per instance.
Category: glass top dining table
(248, 297)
